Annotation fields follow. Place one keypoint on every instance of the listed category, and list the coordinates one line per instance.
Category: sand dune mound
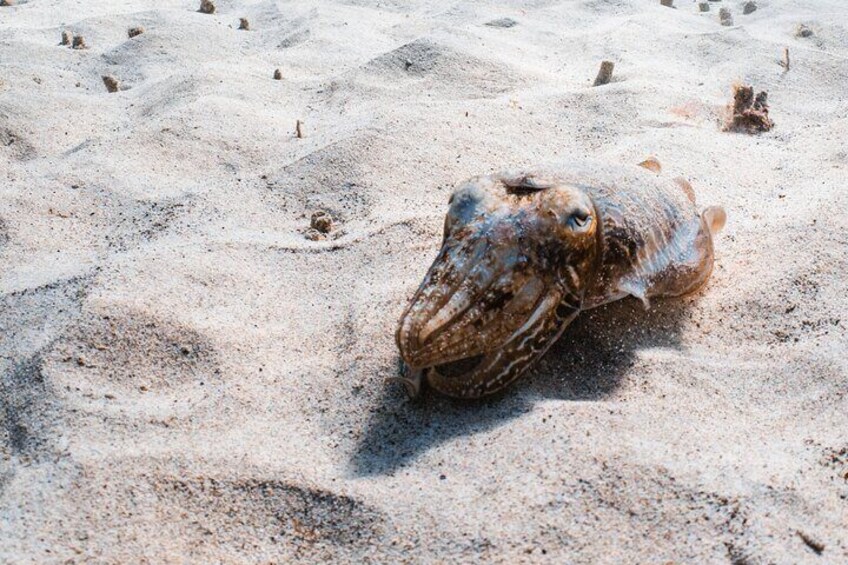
(211, 515)
(31, 413)
(334, 178)
(134, 352)
(295, 38)
(313, 521)
(28, 414)
(436, 67)
(15, 146)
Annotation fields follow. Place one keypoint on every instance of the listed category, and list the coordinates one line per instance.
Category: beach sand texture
(189, 374)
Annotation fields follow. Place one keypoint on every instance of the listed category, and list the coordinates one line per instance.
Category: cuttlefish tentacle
(412, 382)
(481, 291)
(469, 336)
(500, 368)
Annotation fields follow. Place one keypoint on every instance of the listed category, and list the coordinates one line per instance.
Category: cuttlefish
(525, 252)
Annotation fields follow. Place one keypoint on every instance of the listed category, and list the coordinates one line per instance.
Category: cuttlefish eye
(462, 207)
(579, 220)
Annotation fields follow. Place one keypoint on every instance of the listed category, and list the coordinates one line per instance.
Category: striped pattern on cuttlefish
(523, 253)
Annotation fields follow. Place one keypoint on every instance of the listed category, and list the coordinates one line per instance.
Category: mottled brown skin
(524, 253)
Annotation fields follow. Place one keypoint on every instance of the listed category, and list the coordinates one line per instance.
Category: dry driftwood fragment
(604, 73)
(207, 7)
(244, 24)
(298, 129)
(278, 74)
(112, 84)
(134, 31)
(785, 62)
(79, 42)
(725, 17)
(748, 113)
(814, 544)
(67, 38)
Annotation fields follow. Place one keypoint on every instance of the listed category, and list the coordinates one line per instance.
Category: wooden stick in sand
(111, 83)
(604, 73)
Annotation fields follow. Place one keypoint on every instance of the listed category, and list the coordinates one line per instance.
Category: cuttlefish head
(518, 254)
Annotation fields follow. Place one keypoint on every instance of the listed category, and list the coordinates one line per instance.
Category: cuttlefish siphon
(523, 253)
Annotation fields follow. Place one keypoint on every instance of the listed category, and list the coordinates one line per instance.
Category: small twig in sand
(134, 31)
(207, 7)
(604, 73)
(112, 84)
(298, 129)
(278, 74)
(79, 42)
(244, 24)
(785, 62)
(725, 17)
(67, 38)
(811, 542)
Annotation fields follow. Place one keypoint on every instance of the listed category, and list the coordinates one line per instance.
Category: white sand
(186, 377)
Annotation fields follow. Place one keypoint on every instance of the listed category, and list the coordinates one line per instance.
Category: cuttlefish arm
(412, 381)
(499, 368)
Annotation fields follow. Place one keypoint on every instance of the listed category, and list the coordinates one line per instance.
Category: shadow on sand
(588, 363)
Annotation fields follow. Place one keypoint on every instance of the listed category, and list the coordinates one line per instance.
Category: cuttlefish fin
(652, 164)
(715, 217)
(412, 382)
(637, 290)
